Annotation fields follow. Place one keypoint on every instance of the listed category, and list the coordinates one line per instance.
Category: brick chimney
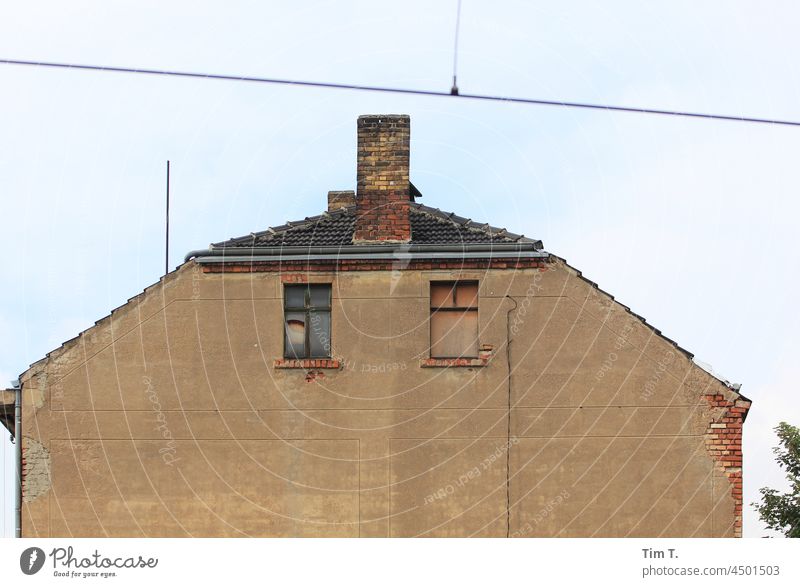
(340, 199)
(382, 196)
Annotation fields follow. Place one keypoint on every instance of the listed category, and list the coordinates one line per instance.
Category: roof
(7, 400)
(429, 226)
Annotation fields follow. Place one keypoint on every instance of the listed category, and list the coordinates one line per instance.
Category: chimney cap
(381, 117)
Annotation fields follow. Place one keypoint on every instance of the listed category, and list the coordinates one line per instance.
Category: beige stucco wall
(168, 418)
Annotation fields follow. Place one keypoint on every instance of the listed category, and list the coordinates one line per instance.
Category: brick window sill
(482, 360)
(307, 364)
(469, 363)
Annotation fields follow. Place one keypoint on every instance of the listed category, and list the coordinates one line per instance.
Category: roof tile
(429, 226)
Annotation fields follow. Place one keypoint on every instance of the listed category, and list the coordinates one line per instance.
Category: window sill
(482, 360)
(428, 363)
(307, 364)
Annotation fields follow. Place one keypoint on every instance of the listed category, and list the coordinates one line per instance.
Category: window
(454, 319)
(307, 323)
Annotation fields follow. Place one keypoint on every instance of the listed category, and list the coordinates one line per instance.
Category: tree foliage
(781, 511)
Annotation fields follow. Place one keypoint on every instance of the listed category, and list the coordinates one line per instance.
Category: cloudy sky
(692, 223)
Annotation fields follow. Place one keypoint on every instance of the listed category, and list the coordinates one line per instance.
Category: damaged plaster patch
(35, 469)
(312, 376)
(37, 395)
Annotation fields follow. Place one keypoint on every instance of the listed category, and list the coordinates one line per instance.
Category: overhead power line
(382, 89)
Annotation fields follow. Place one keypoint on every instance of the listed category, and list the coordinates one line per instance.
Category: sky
(691, 223)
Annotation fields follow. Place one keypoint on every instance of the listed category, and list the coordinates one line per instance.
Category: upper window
(307, 321)
(454, 319)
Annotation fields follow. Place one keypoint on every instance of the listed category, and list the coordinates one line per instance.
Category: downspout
(18, 458)
(508, 419)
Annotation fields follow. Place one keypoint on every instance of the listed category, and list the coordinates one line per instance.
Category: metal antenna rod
(454, 89)
(166, 252)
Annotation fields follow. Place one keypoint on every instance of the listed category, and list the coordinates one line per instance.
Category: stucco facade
(169, 417)
(181, 414)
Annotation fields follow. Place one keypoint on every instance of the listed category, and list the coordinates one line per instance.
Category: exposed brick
(307, 364)
(340, 199)
(479, 362)
(36, 469)
(382, 175)
(724, 445)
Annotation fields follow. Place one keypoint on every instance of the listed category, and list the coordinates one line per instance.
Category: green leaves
(781, 512)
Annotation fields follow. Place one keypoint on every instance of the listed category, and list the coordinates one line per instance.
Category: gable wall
(169, 418)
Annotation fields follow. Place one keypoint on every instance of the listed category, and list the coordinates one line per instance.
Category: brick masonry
(453, 362)
(307, 364)
(35, 469)
(382, 195)
(340, 199)
(724, 444)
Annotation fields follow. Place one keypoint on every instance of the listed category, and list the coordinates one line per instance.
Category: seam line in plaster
(388, 409)
(122, 335)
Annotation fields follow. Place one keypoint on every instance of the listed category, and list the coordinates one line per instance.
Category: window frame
(454, 283)
(308, 310)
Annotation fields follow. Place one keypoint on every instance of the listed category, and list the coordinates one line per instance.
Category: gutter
(356, 252)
